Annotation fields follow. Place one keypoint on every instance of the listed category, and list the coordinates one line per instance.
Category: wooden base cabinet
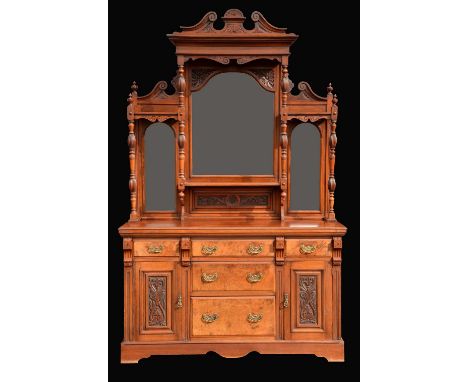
(217, 303)
(232, 244)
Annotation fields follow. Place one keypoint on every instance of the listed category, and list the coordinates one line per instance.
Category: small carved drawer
(233, 277)
(233, 316)
(156, 247)
(307, 247)
(242, 247)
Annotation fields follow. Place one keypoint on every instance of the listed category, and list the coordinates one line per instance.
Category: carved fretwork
(307, 118)
(185, 245)
(332, 144)
(157, 301)
(264, 76)
(131, 147)
(233, 23)
(307, 299)
(157, 118)
(232, 200)
(279, 250)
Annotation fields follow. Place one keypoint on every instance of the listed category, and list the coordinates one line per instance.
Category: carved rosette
(332, 145)
(179, 83)
(132, 99)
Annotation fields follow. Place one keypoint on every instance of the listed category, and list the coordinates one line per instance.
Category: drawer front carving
(307, 248)
(235, 248)
(233, 316)
(164, 247)
(233, 277)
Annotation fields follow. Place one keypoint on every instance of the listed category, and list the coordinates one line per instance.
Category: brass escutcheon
(307, 249)
(208, 318)
(209, 277)
(253, 318)
(254, 277)
(254, 249)
(154, 249)
(179, 302)
(208, 250)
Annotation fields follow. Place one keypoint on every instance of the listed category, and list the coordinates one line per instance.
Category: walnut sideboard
(232, 244)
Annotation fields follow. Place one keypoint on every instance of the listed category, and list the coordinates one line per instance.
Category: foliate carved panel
(265, 77)
(307, 285)
(232, 200)
(157, 301)
(200, 76)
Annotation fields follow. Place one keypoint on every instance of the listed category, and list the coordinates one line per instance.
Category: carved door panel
(160, 305)
(309, 314)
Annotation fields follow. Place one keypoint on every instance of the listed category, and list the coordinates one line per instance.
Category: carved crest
(233, 23)
(306, 93)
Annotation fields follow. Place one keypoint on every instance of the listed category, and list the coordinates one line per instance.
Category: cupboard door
(309, 314)
(159, 307)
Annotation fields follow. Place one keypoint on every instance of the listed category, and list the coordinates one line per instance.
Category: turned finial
(335, 99)
(329, 88)
(134, 86)
(129, 99)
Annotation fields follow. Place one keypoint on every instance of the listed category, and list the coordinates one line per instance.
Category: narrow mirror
(305, 168)
(160, 183)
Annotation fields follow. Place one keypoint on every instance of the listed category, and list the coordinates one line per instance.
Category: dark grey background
(232, 127)
(305, 168)
(160, 186)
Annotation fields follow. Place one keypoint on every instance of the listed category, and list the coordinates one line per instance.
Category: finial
(129, 99)
(134, 86)
(329, 88)
(335, 99)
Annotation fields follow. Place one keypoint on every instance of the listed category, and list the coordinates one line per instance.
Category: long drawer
(241, 247)
(233, 316)
(233, 277)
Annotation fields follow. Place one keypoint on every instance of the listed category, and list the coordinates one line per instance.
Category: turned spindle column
(332, 145)
(180, 86)
(132, 99)
(285, 87)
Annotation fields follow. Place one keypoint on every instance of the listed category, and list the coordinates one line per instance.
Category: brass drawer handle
(179, 302)
(254, 277)
(253, 318)
(208, 250)
(254, 249)
(154, 249)
(307, 249)
(208, 318)
(286, 300)
(209, 277)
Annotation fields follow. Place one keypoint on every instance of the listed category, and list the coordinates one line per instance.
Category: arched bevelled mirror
(305, 168)
(232, 127)
(160, 193)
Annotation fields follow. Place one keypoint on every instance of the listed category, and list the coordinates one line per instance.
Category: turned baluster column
(285, 87)
(332, 146)
(132, 99)
(180, 87)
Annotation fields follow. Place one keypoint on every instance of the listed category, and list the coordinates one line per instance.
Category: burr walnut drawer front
(307, 247)
(233, 277)
(156, 247)
(241, 247)
(233, 316)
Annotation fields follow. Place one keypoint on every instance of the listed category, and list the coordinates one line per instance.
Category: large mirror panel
(305, 168)
(232, 127)
(160, 192)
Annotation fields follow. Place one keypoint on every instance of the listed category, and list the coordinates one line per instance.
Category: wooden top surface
(223, 227)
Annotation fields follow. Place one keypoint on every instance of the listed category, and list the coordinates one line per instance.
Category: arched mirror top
(201, 76)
